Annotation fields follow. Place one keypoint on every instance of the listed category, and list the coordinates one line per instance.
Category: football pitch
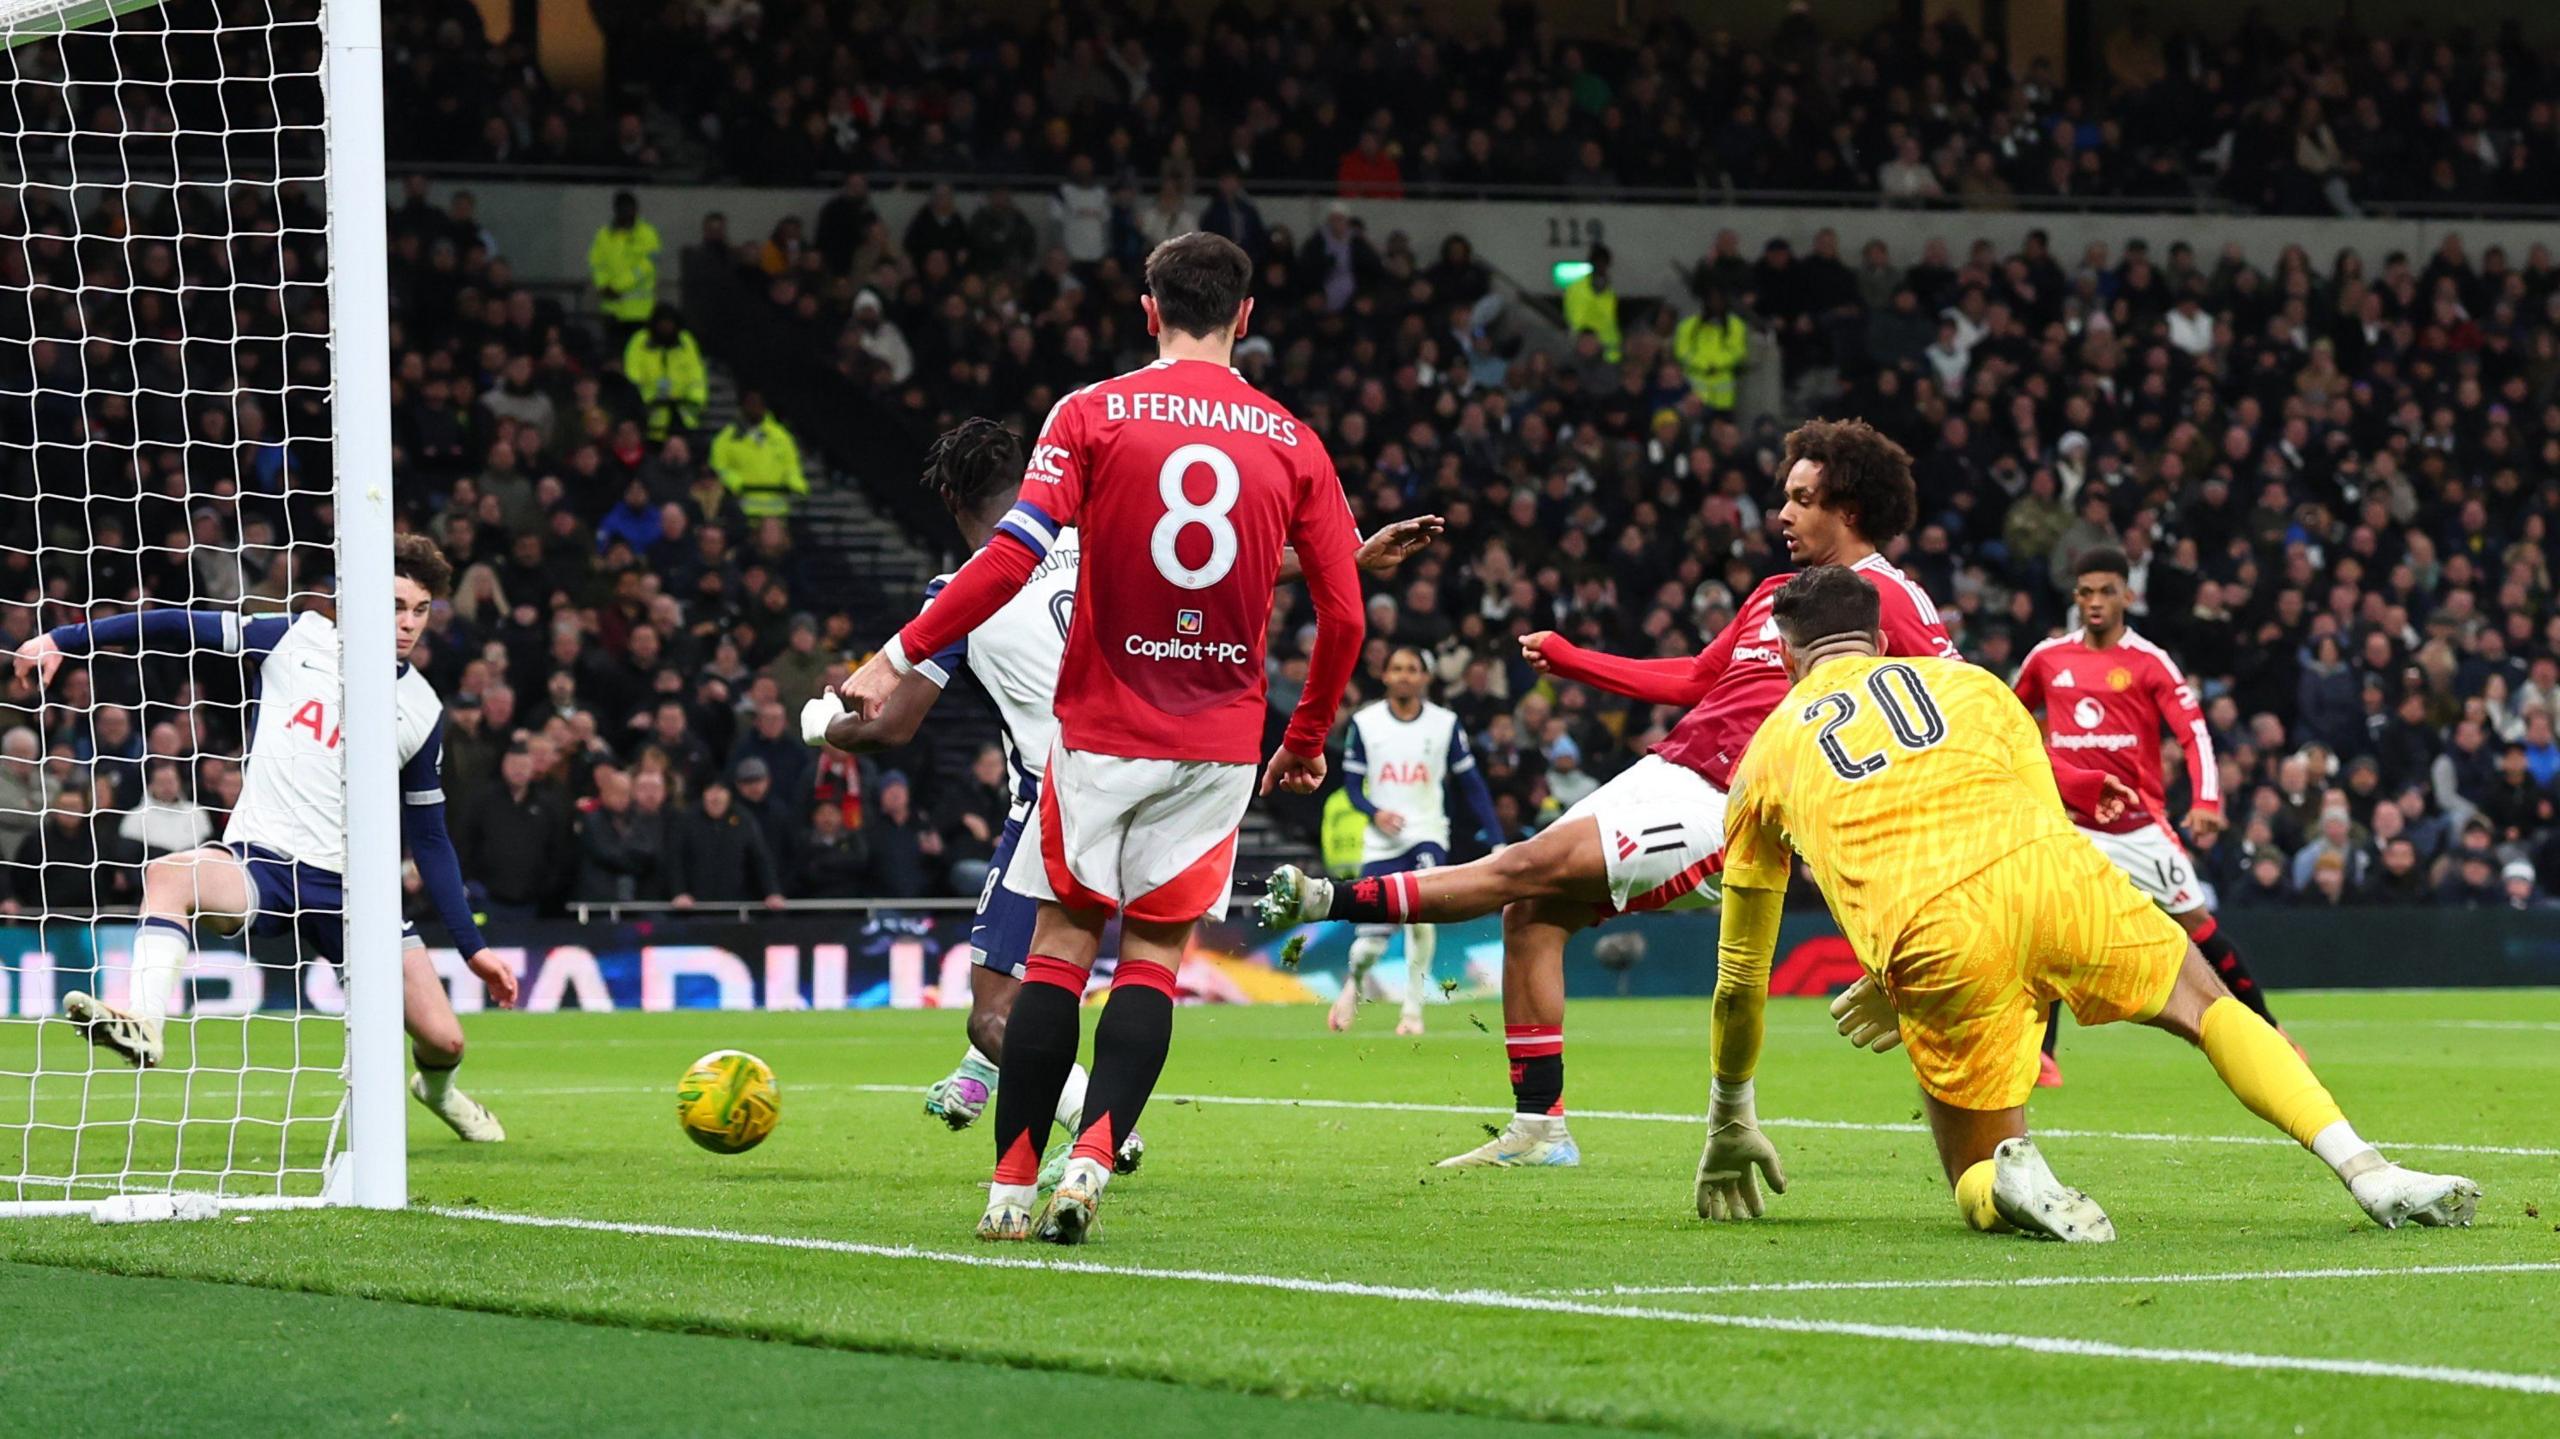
(1288, 1262)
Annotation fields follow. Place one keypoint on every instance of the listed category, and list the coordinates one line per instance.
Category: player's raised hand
(1864, 1016)
(1533, 647)
(40, 655)
(1391, 546)
(1296, 773)
(866, 691)
(494, 974)
(2116, 799)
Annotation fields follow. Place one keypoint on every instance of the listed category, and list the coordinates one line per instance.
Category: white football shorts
(1662, 831)
(1152, 838)
(2157, 864)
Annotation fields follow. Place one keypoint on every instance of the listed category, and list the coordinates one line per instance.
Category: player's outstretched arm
(1655, 682)
(227, 631)
(825, 722)
(995, 574)
(1738, 1155)
(1758, 864)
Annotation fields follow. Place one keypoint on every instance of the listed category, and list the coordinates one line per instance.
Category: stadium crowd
(1364, 97)
(2336, 476)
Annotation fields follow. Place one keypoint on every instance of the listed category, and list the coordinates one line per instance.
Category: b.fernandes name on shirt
(1199, 414)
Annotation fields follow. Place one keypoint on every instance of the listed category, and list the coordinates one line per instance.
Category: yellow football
(728, 1102)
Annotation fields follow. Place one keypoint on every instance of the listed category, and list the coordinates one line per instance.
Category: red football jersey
(1742, 674)
(2106, 709)
(1183, 484)
(1749, 675)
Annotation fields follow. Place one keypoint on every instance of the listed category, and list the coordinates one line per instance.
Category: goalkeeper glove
(1865, 1017)
(1736, 1157)
(816, 715)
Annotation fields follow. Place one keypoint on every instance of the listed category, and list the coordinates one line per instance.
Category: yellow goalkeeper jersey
(1895, 779)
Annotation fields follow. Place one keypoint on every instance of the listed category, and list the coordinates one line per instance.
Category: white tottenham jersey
(1015, 654)
(1404, 766)
(292, 792)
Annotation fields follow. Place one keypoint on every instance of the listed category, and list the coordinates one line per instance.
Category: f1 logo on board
(1186, 622)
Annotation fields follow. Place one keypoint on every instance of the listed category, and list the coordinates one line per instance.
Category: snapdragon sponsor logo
(2095, 741)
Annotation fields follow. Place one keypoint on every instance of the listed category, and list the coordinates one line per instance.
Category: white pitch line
(1392, 1106)
(1501, 1299)
(1769, 1122)
(2063, 1281)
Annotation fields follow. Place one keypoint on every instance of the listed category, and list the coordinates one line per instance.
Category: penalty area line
(1496, 1299)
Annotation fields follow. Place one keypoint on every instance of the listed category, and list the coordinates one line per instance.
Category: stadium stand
(2336, 473)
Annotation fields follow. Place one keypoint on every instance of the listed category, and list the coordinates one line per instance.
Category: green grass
(257, 1361)
(1345, 1197)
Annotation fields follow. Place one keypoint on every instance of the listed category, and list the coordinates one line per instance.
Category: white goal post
(200, 420)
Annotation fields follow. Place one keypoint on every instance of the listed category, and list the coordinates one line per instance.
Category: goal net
(193, 385)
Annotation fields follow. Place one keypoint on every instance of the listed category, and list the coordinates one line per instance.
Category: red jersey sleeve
(2185, 721)
(2081, 789)
(2030, 685)
(1656, 682)
(1321, 531)
(995, 574)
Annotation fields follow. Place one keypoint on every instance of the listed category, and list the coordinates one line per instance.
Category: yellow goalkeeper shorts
(1973, 973)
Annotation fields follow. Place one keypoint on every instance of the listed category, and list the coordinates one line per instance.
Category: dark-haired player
(1652, 838)
(282, 854)
(975, 469)
(2107, 694)
(1187, 485)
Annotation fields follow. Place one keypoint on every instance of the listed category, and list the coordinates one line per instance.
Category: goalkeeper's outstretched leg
(2002, 1182)
(2265, 1072)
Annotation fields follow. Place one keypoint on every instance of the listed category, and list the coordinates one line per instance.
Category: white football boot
(136, 1041)
(2025, 1192)
(1008, 1216)
(1069, 1217)
(1409, 1024)
(2395, 1196)
(1531, 1141)
(1293, 896)
(461, 1113)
